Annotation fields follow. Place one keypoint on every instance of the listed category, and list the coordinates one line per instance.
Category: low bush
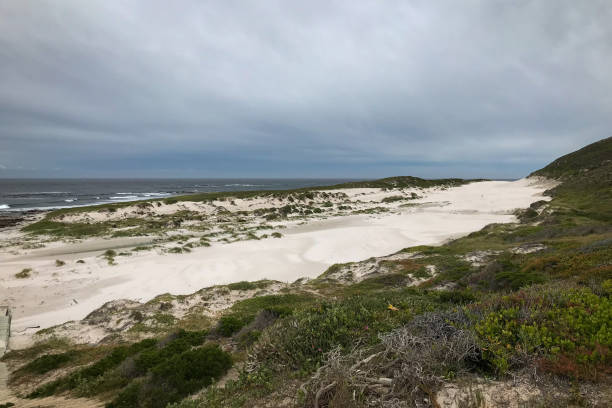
(243, 312)
(176, 344)
(166, 369)
(242, 285)
(173, 378)
(407, 365)
(457, 296)
(392, 199)
(301, 340)
(25, 273)
(70, 229)
(92, 372)
(566, 328)
(385, 281)
(450, 267)
(109, 255)
(229, 325)
(141, 248)
(49, 362)
(516, 279)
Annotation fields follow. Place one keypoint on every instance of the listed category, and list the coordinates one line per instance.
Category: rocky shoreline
(13, 218)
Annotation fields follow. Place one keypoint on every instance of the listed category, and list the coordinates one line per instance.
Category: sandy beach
(55, 294)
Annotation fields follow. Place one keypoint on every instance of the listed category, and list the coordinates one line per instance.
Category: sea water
(43, 194)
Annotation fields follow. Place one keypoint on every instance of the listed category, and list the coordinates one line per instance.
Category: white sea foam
(41, 192)
(155, 194)
(70, 200)
(123, 197)
(4, 206)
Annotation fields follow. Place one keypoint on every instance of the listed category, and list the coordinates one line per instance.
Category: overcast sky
(261, 88)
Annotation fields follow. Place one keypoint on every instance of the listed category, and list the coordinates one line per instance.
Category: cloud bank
(300, 89)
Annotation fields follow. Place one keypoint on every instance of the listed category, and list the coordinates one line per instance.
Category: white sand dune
(51, 297)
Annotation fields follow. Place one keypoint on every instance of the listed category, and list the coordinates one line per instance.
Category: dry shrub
(406, 366)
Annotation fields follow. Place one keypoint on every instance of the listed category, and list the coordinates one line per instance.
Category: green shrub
(25, 273)
(48, 362)
(141, 248)
(181, 341)
(172, 379)
(242, 285)
(128, 397)
(300, 341)
(128, 367)
(229, 325)
(450, 267)
(92, 372)
(110, 255)
(70, 229)
(392, 199)
(280, 305)
(506, 273)
(385, 281)
(59, 263)
(456, 296)
(516, 279)
(248, 338)
(276, 235)
(568, 328)
(421, 273)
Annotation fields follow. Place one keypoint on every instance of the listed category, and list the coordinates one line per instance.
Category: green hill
(578, 164)
(586, 181)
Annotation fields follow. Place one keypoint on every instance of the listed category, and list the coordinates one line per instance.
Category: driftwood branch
(322, 391)
(402, 367)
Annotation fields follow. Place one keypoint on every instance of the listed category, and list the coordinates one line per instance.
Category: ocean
(45, 194)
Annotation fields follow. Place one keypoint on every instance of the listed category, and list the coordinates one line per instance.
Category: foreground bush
(567, 330)
(92, 372)
(301, 340)
(174, 378)
(149, 373)
(244, 312)
(48, 362)
(408, 364)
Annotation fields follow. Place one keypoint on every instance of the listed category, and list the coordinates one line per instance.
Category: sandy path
(55, 295)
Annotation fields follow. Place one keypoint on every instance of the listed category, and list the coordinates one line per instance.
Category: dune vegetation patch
(149, 373)
(25, 273)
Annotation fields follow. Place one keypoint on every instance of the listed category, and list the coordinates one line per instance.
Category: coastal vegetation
(529, 302)
(303, 202)
(25, 273)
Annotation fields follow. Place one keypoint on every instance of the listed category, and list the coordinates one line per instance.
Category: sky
(277, 88)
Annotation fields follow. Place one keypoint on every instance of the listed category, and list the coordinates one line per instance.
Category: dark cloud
(317, 88)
